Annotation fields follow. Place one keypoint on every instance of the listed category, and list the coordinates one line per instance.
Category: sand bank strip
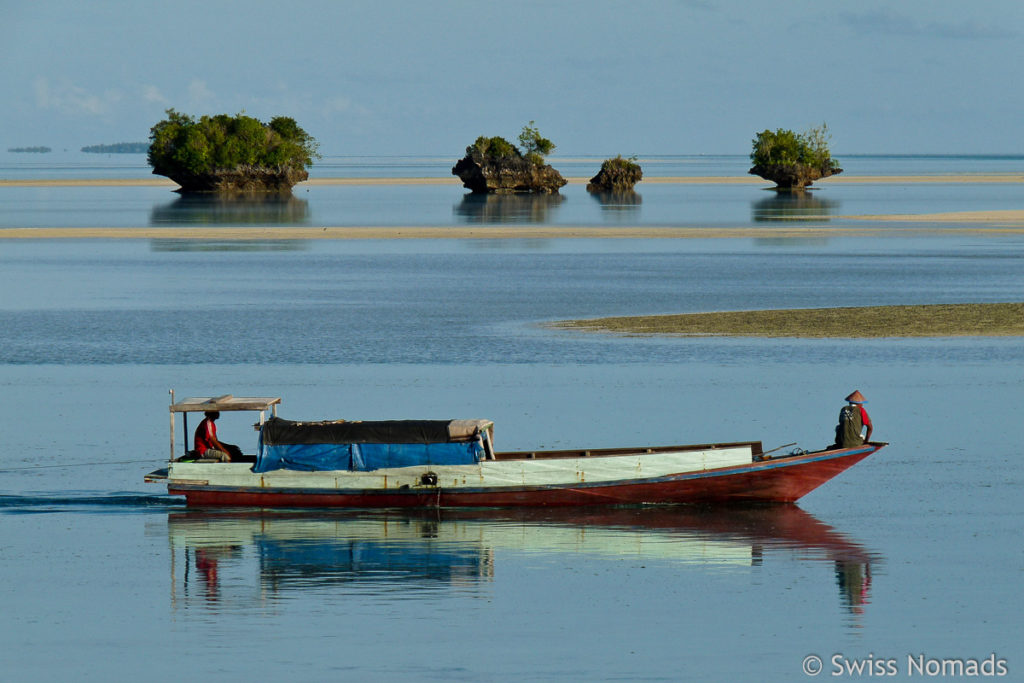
(88, 182)
(990, 178)
(650, 180)
(1011, 217)
(934, 320)
(996, 178)
(497, 232)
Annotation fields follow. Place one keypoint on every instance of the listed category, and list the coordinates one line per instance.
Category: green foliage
(786, 148)
(180, 144)
(621, 164)
(535, 146)
(38, 149)
(495, 147)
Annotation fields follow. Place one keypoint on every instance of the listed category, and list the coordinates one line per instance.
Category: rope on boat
(75, 464)
(779, 448)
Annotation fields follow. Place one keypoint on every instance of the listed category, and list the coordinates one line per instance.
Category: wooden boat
(453, 463)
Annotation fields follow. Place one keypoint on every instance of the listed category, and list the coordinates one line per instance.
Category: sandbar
(930, 320)
(1010, 217)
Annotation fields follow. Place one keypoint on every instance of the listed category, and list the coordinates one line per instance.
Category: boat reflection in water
(430, 550)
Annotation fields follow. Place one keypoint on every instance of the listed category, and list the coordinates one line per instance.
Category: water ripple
(86, 501)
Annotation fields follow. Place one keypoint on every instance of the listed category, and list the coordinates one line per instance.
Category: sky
(413, 77)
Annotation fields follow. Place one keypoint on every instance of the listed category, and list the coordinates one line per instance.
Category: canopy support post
(172, 425)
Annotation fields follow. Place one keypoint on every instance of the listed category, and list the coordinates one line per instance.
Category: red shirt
(864, 419)
(206, 435)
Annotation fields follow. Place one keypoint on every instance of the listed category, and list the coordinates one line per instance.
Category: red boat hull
(780, 480)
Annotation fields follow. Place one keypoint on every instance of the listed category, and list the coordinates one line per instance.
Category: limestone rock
(793, 176)
(242, 180)
(617, 175)
(483, 173)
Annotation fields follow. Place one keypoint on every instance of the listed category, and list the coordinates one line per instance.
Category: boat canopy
(222, 403)
(371, 445)
(225, 403)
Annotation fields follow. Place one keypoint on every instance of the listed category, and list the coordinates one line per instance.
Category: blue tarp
(363, 457)
(304, 561)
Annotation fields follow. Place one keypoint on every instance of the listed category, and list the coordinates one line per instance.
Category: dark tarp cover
(366, 446)
(279, 431)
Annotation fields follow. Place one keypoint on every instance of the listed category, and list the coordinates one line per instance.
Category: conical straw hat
(856, 397)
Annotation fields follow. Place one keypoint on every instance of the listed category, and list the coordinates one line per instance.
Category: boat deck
(755, 447)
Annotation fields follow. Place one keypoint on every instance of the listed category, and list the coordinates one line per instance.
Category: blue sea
(911, 562)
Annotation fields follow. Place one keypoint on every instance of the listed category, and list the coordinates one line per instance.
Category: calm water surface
(915, 551)
(74, 164)
(718, 206)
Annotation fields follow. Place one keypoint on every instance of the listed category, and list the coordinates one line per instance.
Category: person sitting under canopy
(208, 446)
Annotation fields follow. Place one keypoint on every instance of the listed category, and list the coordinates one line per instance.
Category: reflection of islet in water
(241, 210)
(793, 206)
(619, 207)
(507, 208)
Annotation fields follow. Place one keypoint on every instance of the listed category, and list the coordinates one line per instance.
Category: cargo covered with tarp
(371, 445)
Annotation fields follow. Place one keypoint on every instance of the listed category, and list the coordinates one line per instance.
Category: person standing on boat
(853, 418)
(208, 445)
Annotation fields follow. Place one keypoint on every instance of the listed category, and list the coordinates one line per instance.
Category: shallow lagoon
(914, 551)
(447, 203)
